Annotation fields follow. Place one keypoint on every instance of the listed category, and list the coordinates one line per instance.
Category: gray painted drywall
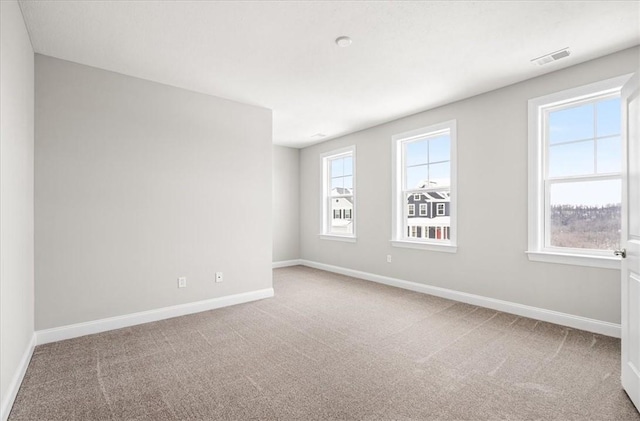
(16, 193)
(137, 184)
(286, 201)
(492, 175)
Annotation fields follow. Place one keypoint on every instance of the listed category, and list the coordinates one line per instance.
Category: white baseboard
(564, 319)
(111, 323)
(16, 381)
(286, 263)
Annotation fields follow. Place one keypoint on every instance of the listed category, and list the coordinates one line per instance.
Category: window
(575, 175)
(424, 163)
(338, 195)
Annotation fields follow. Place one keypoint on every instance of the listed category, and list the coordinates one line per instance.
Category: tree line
(579, 226)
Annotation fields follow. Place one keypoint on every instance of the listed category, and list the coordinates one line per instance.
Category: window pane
(342, 212)
(585, 214)
(439, 149)
(431, 214)
(571, 159)
(571, 124)
(337, 167)
(609, 119)
(415, 153)
(348, 182)
(416, 176)
(440, 174)
(337, 183)
(348, 165)
(609, 155)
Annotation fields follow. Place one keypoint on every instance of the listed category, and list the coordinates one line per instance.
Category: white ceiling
(406, 57)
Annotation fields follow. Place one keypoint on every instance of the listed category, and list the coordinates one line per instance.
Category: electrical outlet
(218, 276)
(182, 282)
(388, 258)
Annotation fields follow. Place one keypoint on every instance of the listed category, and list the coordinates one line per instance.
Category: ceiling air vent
(318, 136)
(548, 58)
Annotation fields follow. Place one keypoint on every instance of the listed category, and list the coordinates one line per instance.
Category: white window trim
(336, 237)
(422, 209)
(324, 192)
(424, 245)
(536, 248)
(397, 231)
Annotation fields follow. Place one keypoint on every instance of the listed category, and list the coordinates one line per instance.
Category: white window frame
(399, 227)
(325, 195)
(440, 206)
(422, 211)
(411, 209)
(538, 223)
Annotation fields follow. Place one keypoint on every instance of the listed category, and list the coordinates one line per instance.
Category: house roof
(439, 196)
(341, 190)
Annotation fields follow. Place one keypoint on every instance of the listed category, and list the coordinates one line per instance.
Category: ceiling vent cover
(548, 58)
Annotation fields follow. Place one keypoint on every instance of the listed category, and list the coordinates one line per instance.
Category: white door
(631, 243)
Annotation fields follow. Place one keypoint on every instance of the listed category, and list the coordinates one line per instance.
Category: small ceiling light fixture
(343, 41)
(318, 136)
(548, 58)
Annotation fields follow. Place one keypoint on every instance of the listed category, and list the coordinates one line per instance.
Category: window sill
(343, 238)
(447, 248)
(605, 262)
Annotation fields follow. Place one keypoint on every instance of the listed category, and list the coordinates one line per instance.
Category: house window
(425, 167)
(338, 194)
(575, 175)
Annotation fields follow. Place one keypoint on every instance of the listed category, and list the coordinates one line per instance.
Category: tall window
(575, 174)
(424, 162)
(338, 194)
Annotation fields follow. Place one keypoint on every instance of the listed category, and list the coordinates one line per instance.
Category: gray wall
(16, 193)
(492, 166)
(138, 183)
(286, 201)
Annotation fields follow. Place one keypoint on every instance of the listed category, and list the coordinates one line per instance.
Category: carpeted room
(330, 347)
(202, 203)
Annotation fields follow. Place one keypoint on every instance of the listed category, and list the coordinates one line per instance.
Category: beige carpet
(330, 347)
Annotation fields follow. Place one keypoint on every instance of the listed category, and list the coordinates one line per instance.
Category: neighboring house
(342, 210)
(428, 215)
